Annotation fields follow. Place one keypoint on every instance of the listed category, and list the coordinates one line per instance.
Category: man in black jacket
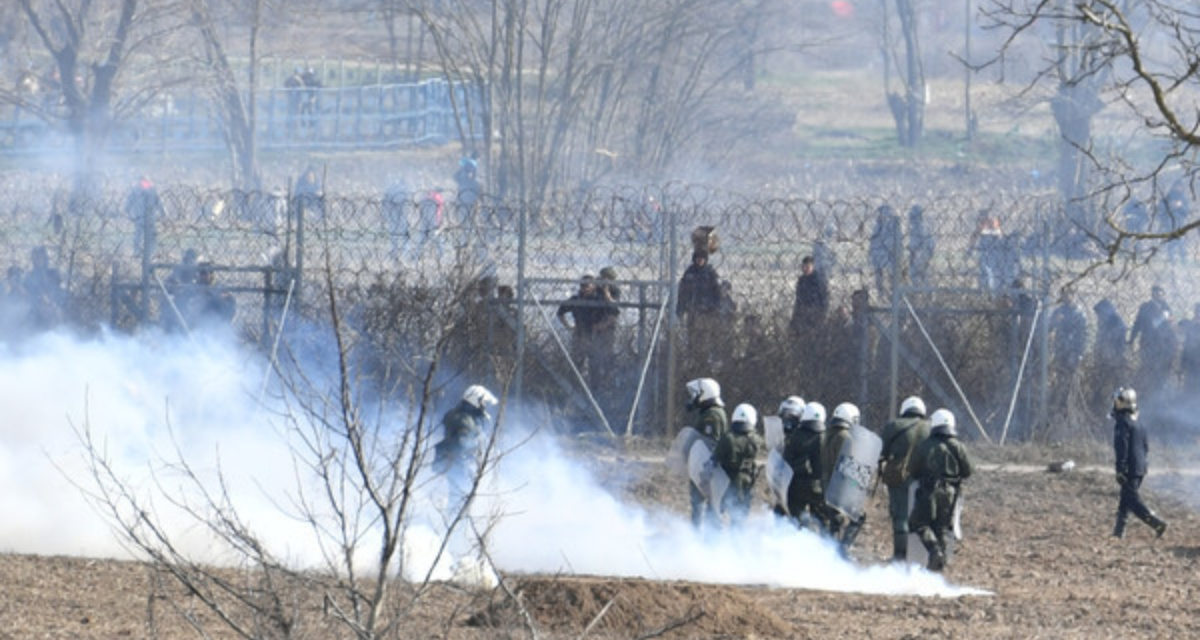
(1131, 450)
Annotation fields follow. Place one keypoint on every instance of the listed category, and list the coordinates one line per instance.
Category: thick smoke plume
(149, 400)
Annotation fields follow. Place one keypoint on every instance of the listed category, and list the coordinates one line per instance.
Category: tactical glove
(1121, 479)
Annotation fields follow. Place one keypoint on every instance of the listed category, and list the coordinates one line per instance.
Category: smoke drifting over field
(145, 399)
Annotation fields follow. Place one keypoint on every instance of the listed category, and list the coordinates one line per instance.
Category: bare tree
(572, 90)
(359, 480)
(1136, 59)
(91, 46)
(908, 106)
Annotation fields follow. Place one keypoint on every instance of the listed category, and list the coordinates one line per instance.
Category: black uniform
(1132, 461)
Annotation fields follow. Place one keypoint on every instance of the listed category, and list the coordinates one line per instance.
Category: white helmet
(846, 413)
(744, 419)
(704, 390)
(943, 423)
(1125, 399)
(792, 407)
(912, 404)
(479, 397)
(814, 415)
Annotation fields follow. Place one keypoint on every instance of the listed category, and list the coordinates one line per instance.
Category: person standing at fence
(884, 249)
(309, 195)
(310, 106)
(206, 303)
(988, 244)
(1068, 342)
(431, 219)
(811, 303)
(294, 86)
(699, 302)
(594, 314)
(1156, 340)
(1109, 354)
(44, 290)
(1132, 455)
(395, 207)
(921, 246)
(1189, 355)
(466, 178)
(144, 208)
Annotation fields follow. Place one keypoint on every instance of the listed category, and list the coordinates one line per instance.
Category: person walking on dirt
(900, 438)
(1131, 451)
(802, 452)
(706, 412)
(940, 464)
(736, 453)
(457, 455)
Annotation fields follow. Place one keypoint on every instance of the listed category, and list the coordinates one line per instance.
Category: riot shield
(773, 432)
(677, 455)
(779, 478)
(706, 474)
(854, 471)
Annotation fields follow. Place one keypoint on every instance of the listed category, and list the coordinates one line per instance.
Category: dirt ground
(1038, 541)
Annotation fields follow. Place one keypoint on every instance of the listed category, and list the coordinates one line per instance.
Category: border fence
(955, 298)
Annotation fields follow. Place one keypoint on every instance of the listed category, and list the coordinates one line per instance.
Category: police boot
(1158, 524)
(899, 547)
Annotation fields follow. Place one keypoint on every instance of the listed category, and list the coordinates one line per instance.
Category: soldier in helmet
(900, 438)
(1132, 453)
(706, 412)
(736, 453)
(842, 526)
(790, 412)
(456, 455)
(939, 465)
(806, 493)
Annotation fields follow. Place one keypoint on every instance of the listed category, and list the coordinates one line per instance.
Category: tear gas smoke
(148, 400)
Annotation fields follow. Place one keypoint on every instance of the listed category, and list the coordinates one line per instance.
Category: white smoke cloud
(554, 516)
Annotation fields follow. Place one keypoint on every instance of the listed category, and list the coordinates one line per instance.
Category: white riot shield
(916, 549)
(677, 456)
(706, 474)
(773, 432)
(854, 472)
(779, 478)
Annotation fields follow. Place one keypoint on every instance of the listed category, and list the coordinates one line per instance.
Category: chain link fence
(950, 297)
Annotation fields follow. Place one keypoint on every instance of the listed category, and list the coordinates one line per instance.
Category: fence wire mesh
(965, 286)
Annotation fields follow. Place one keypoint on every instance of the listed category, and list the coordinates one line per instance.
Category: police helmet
(845, 413)
(745, 418)
(479, 397)
(792, 407)
(1125, 399)
(814, 416)
(704, 390)
(912, 405)
(943, 423)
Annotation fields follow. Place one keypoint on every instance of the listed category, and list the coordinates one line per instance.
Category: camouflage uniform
(736, 452)
(939, 465)
(900, 438)
(712, 423)
(802, 452)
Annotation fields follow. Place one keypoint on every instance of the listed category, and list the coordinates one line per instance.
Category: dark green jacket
(802, 452)
(711, 421)
(941, 457)
(736, 453)
(900, 439)
(463, 426)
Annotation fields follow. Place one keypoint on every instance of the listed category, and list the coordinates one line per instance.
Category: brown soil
(1038, 541)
